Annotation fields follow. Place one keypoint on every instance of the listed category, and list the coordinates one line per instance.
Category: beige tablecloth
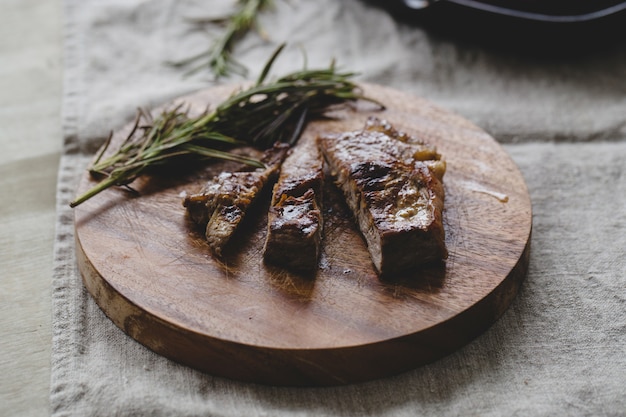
(561, 347)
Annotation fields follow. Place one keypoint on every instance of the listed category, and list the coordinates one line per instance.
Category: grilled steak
(223, 202)
(294, 218)
(393, 185)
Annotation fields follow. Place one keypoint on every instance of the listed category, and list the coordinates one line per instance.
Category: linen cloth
(561, 347)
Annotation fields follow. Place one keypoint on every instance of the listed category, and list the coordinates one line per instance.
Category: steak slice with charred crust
(393, 186)
(223, 202)
(294, 219)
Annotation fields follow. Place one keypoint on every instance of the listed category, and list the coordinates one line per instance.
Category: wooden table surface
(30, 138)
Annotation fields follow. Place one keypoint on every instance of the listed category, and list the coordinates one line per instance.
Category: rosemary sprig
(260, 116)
(218, 58)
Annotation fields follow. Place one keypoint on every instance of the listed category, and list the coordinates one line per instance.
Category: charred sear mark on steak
(294, 218)
(224, 201)
(371, 176)
(392, 183)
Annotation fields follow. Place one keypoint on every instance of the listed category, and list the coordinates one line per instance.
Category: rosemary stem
(218, 56)
(204, 120)
(98, 188)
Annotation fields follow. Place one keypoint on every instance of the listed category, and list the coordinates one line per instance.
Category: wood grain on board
(152, 273)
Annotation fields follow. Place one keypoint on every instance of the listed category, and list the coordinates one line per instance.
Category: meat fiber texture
(395, 192)
(224, 201)
(295, 219)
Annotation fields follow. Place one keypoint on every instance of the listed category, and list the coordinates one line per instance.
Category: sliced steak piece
(223, 202)
(294, 224)
(393, 186)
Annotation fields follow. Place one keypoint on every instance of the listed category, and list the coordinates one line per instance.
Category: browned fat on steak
(294, 219)
(393, 185)
(222, 204)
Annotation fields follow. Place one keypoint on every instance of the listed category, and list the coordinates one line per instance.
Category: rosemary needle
(266, 113)
(218, 58)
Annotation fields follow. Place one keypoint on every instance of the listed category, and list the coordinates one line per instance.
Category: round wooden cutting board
(152, 273)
